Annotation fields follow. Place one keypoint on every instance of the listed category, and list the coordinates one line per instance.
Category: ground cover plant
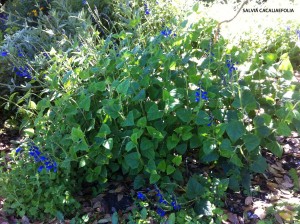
(178, 114)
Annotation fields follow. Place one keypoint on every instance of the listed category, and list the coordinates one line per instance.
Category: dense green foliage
(142, 103)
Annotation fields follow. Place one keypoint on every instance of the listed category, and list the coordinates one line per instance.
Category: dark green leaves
(194, 188)
(235, 129)
(184, 115)
(129, 120)
(153, 113)
(132, 160)
(275, 148)
(259, 165)
(247, 101)
(251, 141)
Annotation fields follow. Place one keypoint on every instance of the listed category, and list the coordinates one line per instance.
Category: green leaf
(108, 144)
(177, 175)
(209, 146)
(236, 160)
(129, 120)
(154, 178)
(140, 96)
(97, 86)
(172, 65)
(81, 146)
(177, 160)
(29, 131)
(142, 122)
(104, 130)
(184, 115)
(123, 87)
(263, 131)
(172, 219)
(195, 142)
(259, 165)
(287, 68)
(170, 169)
(31, 105)
(154, 133)
(133, 160)
(235, 129)
(139, 181)
(275, 148)
(144, 213)
(186, 136)
(204, 207)
(112, 110)
(136, 135)
(129, 146)
(226, 150)
(270, 58)
(162, 166)
(153, 113)
(251, 141)
(181, 149)
(82, 163)
(194, 188)
(84, 102)
(59, 215)
(283, 129)
(202, 118)
(147, 148)
(77, 134)
(294, 175)
(115, 218)
(248, 101)
(196, 7)
(172, 141)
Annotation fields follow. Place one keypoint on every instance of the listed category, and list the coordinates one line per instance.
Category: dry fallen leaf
(120, 196)
(278, 219)
(233, 218)
(272, 186)
(248, 200)
(119, 189)
(287, 216)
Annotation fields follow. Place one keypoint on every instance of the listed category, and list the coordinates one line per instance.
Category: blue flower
(84, 2)
(161, 212)
(298, 34)
(48, 163)
(4, 53)
(22, 72)
(147, 11)
(18, 150)
(211, 120)
(141, 196)
(288, 28)
(40, 169)
(230, 66)
(20, 54)
(166, 32)
(200, 94)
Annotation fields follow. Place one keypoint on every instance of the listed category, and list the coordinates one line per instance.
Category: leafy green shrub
(144, 108)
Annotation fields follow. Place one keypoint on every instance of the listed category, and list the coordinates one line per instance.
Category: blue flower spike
(48, 163)
(166, 32)
(200, 94)
(147, 11)
(141, 196)
(18, 150)
(4, 53)
(161, 212)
